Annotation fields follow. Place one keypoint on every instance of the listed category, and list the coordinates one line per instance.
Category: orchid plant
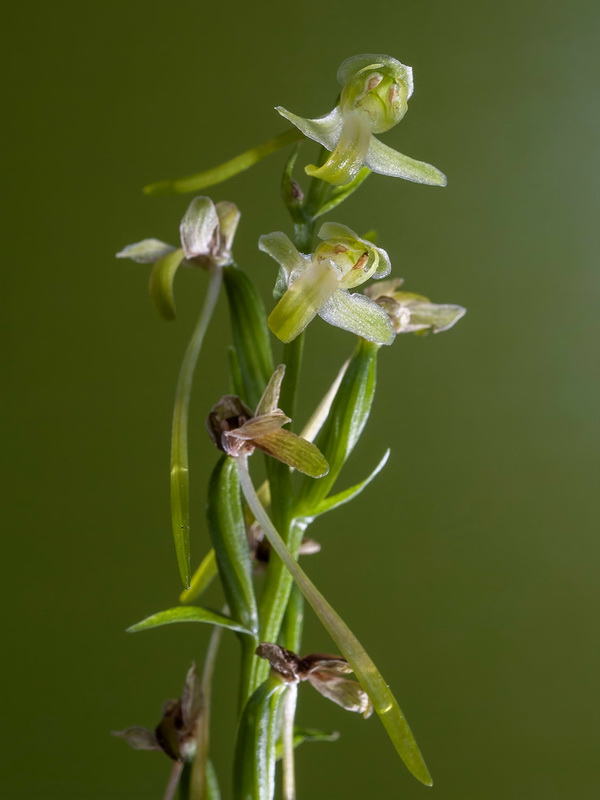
(262, 529)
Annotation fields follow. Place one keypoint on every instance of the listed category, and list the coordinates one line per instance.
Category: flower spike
(374, 98)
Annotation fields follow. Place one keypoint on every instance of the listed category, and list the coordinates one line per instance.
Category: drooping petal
(279, 247)
(346, 693)
(294, 451)
(358, 314)
(324, 130)
(386, 161)
(303, 300)
(146, 252)
(346, 161)
(161, 280)
(199, 228)
(382, 288)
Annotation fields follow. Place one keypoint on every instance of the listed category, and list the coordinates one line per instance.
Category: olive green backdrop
(467, 567)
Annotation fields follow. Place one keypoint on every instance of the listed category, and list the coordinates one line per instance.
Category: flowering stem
(180, 491)
(287, 738)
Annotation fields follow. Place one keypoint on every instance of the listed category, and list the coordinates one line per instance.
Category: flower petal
(325, 130)
(199, 227)
(303, 300)
(386, 161)
(346, 161)
(146, 252)
(346, 693)
(434, 316)
(279, 247)
(259, 426)
(270, 397)
(294, 451)
(335, 230)
(229, 216)
(358, 314)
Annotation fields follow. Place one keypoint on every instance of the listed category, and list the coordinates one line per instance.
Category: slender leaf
(250, 333)
(255, 752)
(187, 614)
(201, 579)
(228, 169)
(348, 494)
(161, 283)
(228, 534)
(302, 735)
(384, 702)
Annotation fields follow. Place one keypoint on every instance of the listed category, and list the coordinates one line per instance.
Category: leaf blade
(187, 614)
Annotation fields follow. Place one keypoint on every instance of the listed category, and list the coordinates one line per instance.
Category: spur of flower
(374, 98)
(324, 672)
(413, 313)
(308, 285)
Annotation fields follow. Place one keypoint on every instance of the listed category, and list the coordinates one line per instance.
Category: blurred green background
(475, 550)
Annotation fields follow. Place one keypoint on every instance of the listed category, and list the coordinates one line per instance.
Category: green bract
(374, 98)
(318, 283)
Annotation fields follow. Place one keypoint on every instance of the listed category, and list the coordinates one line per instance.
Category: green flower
(374, 98)
(318, 283)
(413, 313)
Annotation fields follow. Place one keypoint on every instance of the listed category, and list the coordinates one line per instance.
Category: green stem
(180, 487)
(287, 738)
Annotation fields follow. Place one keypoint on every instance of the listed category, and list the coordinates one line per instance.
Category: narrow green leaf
(384, 702)
(255, 752)
(180, 487)
(201, 579)
(161, 283)
(250, 333)
(345, 422)
(348, 494)
(228, 169)
(188, 614)
(228, 535)
(341, 193)
(212, 783)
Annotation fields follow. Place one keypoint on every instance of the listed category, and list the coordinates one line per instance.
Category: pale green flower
(374, 98)
(413, 313)
(318, 284)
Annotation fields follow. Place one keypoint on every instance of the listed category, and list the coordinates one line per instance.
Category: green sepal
(201, 579)
(250, 333)
(227, 529)
(338, 194)
(161, 283)
(339, 499)
(345, 422)
(255, 751)
(187, 614)
(302, 735)
(228, 169)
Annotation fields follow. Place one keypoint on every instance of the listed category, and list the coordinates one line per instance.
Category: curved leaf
(187, 614)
